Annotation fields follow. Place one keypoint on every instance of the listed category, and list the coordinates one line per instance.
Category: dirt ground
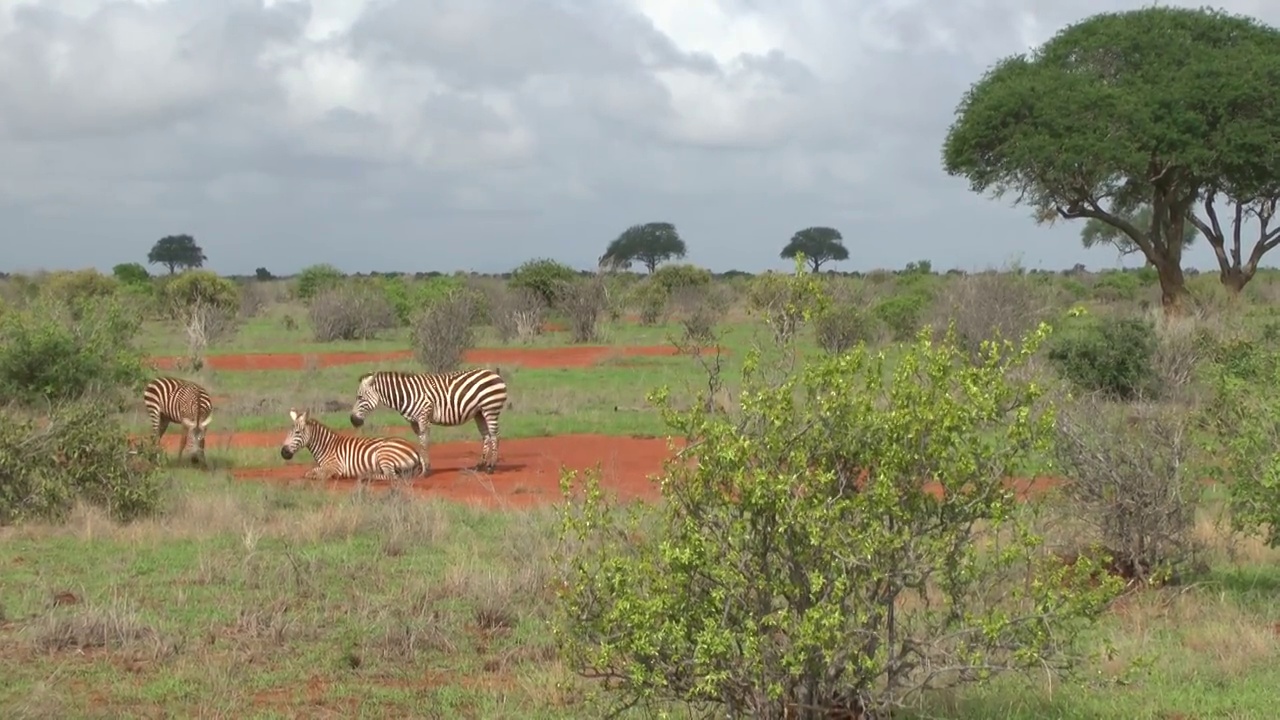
(528, 470)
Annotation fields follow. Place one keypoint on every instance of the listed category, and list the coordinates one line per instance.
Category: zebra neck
(320, 439)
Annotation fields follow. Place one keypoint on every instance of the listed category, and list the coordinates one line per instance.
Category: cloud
(442, 134)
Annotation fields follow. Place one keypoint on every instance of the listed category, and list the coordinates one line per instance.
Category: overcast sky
(475, 134)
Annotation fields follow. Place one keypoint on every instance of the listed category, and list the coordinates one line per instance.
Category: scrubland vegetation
(847, 537)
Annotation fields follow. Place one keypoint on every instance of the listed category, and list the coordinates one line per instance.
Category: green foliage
(765, 579)
(1096, 232)
(819, 245)
(199, 288)
(1075, 128)
(545, 277)
(50, 351)
(74, 454)
(410, 297)
(787, 301)
(131, 274)
(1114, 285)
(1243, 418)
(679, 276)
(649, 244)
(1112, 356)
(901, 313)
(79, 288)
(176, 251)
(263, 275)
(314, 279)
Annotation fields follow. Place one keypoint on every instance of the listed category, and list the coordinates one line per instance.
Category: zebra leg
(423, 429)
(186, 438)
(485, 464)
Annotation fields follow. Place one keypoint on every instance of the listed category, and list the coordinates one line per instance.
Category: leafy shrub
(131, 274)
(1112, 356)
(1129, 481)
(583, 302)
(207, 306)
(680, 275)
(50, 352)
(353, 311)
(408, 298)
(652, 301)
(444, 332)
(516, 313)
(799, 558)
(700, 308)
(901, 313)
(315, 279)
(842, 325)
(1116, 285)
(785, 301)
(76, 454)
(263, 275)
(544, 276)
(79, 288)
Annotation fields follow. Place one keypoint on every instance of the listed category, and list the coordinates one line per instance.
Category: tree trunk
(1173, 287)
(1234, 280)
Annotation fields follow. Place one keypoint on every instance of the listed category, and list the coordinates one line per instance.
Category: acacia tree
(1097, 232)
(649, 244)
(176, 251)
(818, 244)
(1169, 107)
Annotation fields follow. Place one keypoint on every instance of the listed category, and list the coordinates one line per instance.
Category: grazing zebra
(378, 458)
(171, 399)
(441, 398)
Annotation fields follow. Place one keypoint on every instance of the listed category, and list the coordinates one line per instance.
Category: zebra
(171, 399)
(448, 399)
(377, 458)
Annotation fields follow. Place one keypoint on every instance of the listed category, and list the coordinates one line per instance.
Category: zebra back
(178, 400)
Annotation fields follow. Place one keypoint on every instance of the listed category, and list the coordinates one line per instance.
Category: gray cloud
(442, 134)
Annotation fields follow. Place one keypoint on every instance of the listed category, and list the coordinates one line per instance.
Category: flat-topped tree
(176, 251)
(818, 244)
(1172, 108)
(649, 244)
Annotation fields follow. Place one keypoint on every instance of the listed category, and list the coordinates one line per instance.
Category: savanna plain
(137, 584)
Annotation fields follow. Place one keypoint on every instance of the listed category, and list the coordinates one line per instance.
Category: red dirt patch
(561, 357)
(528, 469)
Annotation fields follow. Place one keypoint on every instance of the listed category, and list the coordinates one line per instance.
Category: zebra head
(367, 400)
(195, 442)
(298, 435)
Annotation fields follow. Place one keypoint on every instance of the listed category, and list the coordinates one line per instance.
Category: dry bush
(991, 304)
(206, 324)
(255, 296)
(1130, 481)
(350, 312)
(846, 321)
(583, 302)
(700, 308)
(442, 333)
(516, 313)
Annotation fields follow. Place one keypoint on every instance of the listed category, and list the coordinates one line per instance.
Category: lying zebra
(350, 456)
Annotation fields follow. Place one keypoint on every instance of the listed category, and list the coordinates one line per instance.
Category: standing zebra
(378, 458)
(441, 398)
(171, 399)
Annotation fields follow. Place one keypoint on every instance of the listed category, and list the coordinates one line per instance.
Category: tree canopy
(1169, 107)
(818, 244)
(649, 244)
(176, 251)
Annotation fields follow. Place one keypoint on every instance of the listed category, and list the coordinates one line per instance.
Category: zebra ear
(205, 423)
(293, 415)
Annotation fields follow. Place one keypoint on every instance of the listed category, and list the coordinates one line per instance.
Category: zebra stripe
(347, 455)
(441, 398)
(174, 400)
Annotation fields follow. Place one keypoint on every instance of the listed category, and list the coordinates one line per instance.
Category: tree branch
(1091, 209)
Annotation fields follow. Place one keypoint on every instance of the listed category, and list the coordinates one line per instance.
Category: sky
(418, 135)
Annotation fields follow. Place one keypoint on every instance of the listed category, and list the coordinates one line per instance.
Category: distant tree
(263, 274)
(131, 273)
(1096, 232)
(819, 244)
(1170, 107)
(176, 251)
(649, 244)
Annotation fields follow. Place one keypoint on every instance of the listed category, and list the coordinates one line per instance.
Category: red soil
(580, 356)
(528, 470)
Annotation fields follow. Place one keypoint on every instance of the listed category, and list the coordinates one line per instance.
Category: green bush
(408, 298)
(314, 279)
(50, 351)
(544, 276)
(844, 324)
(901, 313)
(76, 453)
(799, 557)
(131, 274)
(680, 275)
(203, 288)
(1116, 285)
(787, 300)
(79, 289)
(1106, 355)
